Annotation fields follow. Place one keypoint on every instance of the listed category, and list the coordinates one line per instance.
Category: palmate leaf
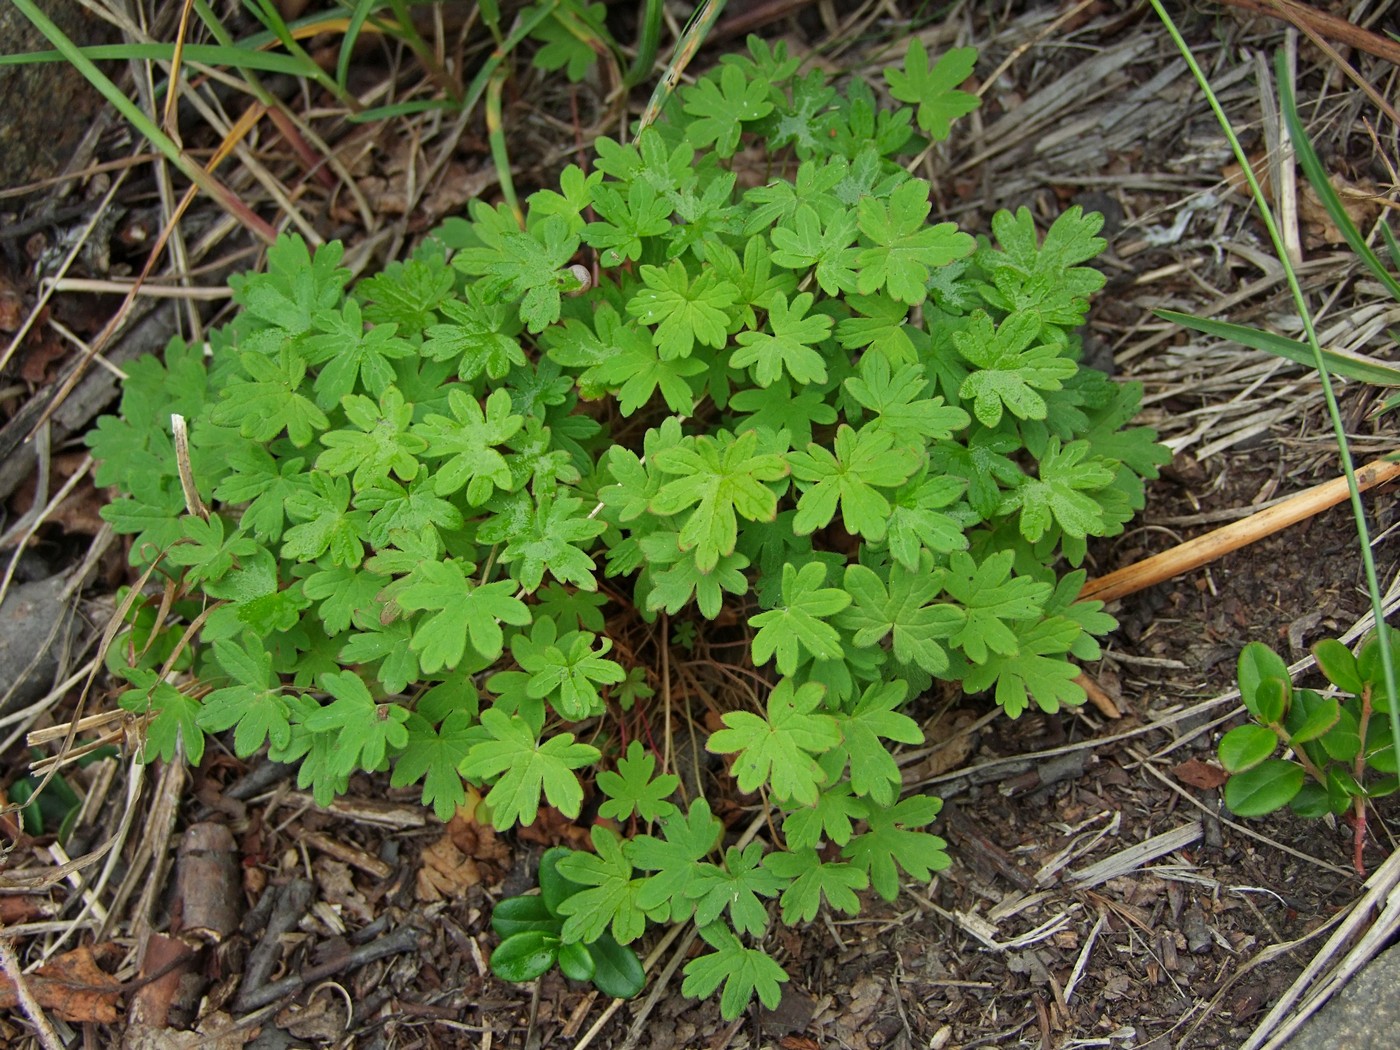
(685, 312)
(993, 600)
(554, 539)
(432, 756)
(609, 903)
(799, 624)
(892, 842)
(791, 345)
(364, 730)
(722, 479)
(634, 788)
(526, 768)
(468, 444)
(811, 880)
(907, 608)
(173, 717)
(462, 611)
(935, 90)
(735, 887)
(270, 400)
(1011, 371)
(851, 474)
(780, 750)
(1060, 493)
(253, 701)
(1037, 669)
(352, 356)
(686, 840)
(905, 250)
(379, 444)
(721, 104)
(871, 719)
(744, 972)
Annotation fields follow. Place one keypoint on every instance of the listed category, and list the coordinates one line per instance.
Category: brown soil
(1020, 942)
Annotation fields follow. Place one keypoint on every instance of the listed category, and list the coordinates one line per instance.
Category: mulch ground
(1099, 895)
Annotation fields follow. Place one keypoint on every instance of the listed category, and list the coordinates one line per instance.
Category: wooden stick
(1204, 549)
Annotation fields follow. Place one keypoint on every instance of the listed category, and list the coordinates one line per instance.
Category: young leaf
(379, 444)
(173, 717)
(686, 841)
(554, 539)
(993, 600)
(890, 841)
(634, 788)
(610, 901)
(742, 971)
(812, 880)
(469, 443)
(780, 750)
(526, 768)
(1037, 669)
(799, 622)
(737, 887)
(935, 90)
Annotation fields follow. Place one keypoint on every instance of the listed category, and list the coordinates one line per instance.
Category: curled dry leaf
(72, 988)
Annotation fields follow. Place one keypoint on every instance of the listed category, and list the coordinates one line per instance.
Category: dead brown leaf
(446, 871)
(72, 987)
(1204, 775)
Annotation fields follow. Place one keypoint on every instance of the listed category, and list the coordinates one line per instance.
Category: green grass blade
(1339, 362)
(358, 16)
(648, 40)
(234, 57)
(1317, 175)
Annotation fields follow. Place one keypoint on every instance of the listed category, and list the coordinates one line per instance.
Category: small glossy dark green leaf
(1340, 781)
(1272, 698)
(1368, 661)
(1246, 746)
(1382, 787)
(1343, 741)
(617, 970)
(523, 915)
(524, 956)
(1311, 801)
(554, 888)
(1336, 662)
(1258, 662)
(1265, 788)
(1380, 756)
(575, 962)
(1320, 713)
